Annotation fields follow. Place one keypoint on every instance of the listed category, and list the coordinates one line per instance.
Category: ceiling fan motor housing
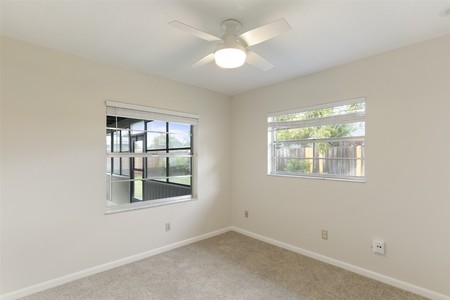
(232, 50)
(231, 26)
(230, 37)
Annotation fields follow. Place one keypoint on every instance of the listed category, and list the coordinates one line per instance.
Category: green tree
(319, 132)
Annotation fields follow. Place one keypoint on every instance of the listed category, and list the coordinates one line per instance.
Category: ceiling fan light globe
(230, 58)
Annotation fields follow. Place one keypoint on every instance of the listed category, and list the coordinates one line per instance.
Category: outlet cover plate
(378, 246)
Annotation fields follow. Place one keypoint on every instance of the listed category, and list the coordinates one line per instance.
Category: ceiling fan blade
(205, 60)
(194, 31)
(265, 32)
(258, 61)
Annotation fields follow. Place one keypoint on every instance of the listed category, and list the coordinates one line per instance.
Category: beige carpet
(228, 266)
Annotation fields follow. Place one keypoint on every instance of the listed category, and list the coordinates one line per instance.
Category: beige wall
(53, 165)
(406, 199)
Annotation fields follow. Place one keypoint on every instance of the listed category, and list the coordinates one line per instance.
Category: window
(150, 156)
(324, 141)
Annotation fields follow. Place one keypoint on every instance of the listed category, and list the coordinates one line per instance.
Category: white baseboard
(361, 271)
(117, 263)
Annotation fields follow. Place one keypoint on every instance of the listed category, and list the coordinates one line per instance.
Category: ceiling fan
(232, 49)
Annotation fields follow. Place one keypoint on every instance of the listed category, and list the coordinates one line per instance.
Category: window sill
(357, 180)
(113, 209)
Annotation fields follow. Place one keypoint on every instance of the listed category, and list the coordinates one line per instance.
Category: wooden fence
(348, 161)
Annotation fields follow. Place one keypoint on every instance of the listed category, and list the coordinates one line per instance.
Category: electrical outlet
(324, 234)
(378, 246)
(246, 213)
(167, 226)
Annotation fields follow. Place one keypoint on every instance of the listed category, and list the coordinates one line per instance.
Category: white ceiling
(135, 34)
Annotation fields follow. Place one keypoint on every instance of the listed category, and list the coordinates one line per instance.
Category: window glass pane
(179, 166)
(344, 158)
(340, 158)
(181, 180)
(158, 126)
(116, 141)
(137, 163)
(125, 141)
(321, 113)
(287, 150)
(125, 166)
(137, 128)
(116, 165)
(137, 186)
(156, 141)
(108, 141)
(179, 128)
(321, 132)
(156, 167)
(108, 165)
(111, 121)
(156, 190)
(294, 165)
(341, 167)
(138, 148)
(339, 149)
(180, 135)
(294, 157)
(181, 151)
(120, 122)
(179, 140)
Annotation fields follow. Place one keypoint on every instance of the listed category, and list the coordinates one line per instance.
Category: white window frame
(149, 113)
(332, 120)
